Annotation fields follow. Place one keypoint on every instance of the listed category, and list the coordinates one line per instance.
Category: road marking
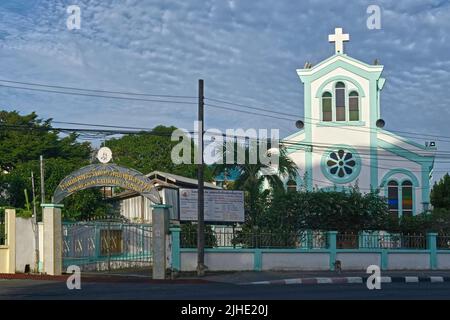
(343, 280)
(324, 280)
(261, 282)
(437, 279)
(354, 280)
(411, 279)
(293, 281)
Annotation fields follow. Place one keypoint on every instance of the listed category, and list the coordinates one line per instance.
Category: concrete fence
(231, 259)
(17, 252)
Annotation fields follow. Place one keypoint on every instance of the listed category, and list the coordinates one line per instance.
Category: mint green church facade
(343, 142)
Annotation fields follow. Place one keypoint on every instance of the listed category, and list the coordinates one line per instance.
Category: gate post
(176, 254)
(332, 246)
(160, 229)
(52, 239)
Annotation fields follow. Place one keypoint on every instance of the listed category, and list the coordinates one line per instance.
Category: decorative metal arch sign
(106, 175)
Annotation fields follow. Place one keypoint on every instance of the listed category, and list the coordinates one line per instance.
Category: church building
(342, 142)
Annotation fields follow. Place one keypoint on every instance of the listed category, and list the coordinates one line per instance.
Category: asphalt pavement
(139, 290)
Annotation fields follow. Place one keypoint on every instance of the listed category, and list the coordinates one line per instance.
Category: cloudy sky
(247, 52)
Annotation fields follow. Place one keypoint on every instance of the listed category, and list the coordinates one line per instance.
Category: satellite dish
(300, 124)
(381, 123)
(104, 155)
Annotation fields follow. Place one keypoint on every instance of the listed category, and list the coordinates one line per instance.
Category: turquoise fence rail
(257, 240)
(381, 240)
(308, 239)
(443, 242)
(308, 250)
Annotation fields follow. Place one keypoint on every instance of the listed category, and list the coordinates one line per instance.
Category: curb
(105, 278)
(350, 280)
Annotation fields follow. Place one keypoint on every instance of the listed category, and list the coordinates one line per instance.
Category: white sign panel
(220, 205)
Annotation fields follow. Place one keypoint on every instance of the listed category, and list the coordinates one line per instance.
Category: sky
(246, 51)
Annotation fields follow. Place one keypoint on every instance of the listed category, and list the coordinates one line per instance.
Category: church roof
(346, 62)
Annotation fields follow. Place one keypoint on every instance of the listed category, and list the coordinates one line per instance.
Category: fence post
(432, 249)
(176, 253)
(257, 260)
(332, 241)
(384, 259)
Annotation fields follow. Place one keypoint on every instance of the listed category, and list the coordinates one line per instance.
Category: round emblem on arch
(341, 164)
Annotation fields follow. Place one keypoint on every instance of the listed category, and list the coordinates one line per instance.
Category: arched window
(292, 186)
(407, 198)
(340, 101)
(327, 114)
(353, 102)
(393, 198)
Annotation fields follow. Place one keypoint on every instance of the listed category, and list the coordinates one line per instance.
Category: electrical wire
(98, 95)
(97, 90)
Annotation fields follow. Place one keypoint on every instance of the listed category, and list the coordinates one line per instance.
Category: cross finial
(338, 38)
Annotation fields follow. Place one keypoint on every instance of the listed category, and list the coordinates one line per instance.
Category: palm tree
(256, 178)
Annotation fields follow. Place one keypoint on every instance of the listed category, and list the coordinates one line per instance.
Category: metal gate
(109, 244)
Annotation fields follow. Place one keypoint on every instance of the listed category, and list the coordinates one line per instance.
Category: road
(31, 289)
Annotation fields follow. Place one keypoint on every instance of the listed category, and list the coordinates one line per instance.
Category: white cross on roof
(338, 38)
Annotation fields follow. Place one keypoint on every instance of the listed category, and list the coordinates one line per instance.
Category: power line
(250, 107)
(95, 133)
(247, 112)
(99, 125)
(263, 109)
(137, 130)
(97, 95)
(297, 117)
(97, 90)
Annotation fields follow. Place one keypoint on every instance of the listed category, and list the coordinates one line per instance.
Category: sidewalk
(104, 277)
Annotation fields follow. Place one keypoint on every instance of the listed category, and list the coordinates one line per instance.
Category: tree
(344, 211)
(440, 194)
(80, 205)
(257, 185)
(25, 138)
(150, 151)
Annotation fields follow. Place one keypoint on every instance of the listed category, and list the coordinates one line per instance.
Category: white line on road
(411, 279)
(354, 280)
(293, 281)
(437, 279)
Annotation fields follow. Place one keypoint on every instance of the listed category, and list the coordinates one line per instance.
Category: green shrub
(188, 237)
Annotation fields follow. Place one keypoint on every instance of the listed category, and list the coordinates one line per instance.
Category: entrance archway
(106, 175)
(106, 243)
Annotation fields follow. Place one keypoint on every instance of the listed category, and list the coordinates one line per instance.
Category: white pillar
(52, 264)
(160, 230)
(10, 215)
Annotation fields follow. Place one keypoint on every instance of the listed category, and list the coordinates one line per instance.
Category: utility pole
(36, 227)
(42, 179)
(200, 175)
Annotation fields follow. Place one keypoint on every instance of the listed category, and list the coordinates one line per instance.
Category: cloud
(247, 52)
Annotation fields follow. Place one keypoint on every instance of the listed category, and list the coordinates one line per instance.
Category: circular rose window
(341, 165)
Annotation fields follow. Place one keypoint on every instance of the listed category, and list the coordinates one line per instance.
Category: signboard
(220, 205)
(106, 175)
